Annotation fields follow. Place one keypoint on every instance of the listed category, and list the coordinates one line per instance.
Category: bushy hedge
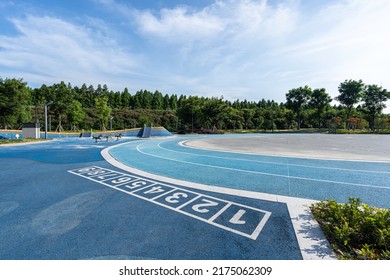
(355, 230)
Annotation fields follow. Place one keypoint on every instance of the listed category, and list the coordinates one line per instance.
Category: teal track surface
(297, 177)
(55, 203)
(62, 200)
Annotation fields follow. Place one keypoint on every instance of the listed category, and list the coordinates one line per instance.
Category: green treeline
(74, 108)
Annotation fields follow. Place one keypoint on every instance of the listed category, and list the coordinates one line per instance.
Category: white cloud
(248, 49)
(223, 20)
(49, 49)
(222, 46)
(180, 24)
(268, 49)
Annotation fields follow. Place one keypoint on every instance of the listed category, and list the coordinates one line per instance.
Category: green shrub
(355, 230)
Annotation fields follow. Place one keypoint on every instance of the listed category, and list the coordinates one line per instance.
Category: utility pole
(46, 105)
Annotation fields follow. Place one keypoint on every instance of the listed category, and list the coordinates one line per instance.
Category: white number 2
(202, 207)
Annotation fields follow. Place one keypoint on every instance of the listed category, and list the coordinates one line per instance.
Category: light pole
(192, 118)
(46, 105)
(111, 118)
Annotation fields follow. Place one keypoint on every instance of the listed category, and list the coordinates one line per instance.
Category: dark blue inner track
(46, 212)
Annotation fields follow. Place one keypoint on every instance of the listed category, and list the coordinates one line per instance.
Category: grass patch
(355, 230)
(359, 131)
(16, 141)
(302, 130)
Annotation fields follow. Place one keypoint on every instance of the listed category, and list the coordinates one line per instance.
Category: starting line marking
(240, 219)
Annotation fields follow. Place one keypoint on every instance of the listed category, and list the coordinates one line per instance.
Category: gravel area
(323, 146)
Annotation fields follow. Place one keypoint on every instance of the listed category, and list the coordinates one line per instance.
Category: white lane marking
(84, 173)
(261, 173)
(311, 239)
(219, 212)
(188, 202)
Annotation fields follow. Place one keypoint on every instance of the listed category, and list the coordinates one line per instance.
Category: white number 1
(236, 218)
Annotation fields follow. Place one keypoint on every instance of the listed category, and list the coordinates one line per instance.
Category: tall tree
(157, 101)
(99, 90)
(75, 113)
(14, 99)
(234, 118)
(190, 112)
(103, 111)
(173, 102)
(297, 99)
(248, 118)
(90, 96)
(126, 98)
(214, 111)
(374, 101)
(61, 96)
(147, 98)
(351, 92)
(166, 102)
(320, 101)
(117, 100)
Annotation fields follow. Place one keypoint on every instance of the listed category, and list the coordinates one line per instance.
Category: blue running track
(62, 200)
(297, 177)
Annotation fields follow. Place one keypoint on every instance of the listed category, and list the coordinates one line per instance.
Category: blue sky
(246, 49)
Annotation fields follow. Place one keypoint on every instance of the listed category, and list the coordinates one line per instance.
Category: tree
(75, 113)
(99, 90)
(297, 99)
(157, 101)
(61, 95)
(248, 118)
(374, 99)
(190, 112)
(91, 96)
(14, 99)
(166, 102)
(258, 118)
(351, 92)
(137, 101)
(103, 111)
(234, 118)
(146, 99)
(173, 102)
(214, 111)
(117, 100)
(126, 98)
(320, 101)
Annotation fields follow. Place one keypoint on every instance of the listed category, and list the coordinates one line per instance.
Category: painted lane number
(236, 218)
(203, 207)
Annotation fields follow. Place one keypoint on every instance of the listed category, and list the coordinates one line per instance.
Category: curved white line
(297, 208)
(260, 173)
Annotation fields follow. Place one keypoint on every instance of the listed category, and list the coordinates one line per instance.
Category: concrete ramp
(86, 134)
(147, 132)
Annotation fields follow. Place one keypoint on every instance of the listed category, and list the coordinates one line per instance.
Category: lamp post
(192, 119)
(46, 105)
(111, 118)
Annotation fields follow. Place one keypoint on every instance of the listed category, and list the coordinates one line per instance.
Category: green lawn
(16, 141)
